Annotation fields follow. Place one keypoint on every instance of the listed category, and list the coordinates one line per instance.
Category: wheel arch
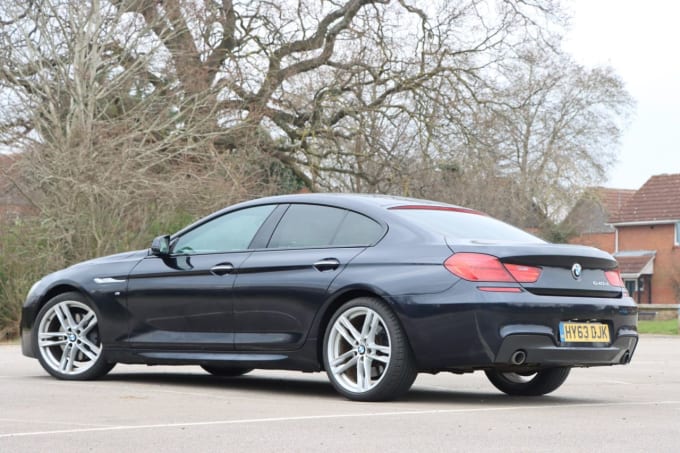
(55, 291)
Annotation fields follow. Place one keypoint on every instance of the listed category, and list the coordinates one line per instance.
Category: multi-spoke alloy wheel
(67, 339)
(366, 354)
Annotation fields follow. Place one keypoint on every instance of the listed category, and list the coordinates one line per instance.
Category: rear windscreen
(465, 225)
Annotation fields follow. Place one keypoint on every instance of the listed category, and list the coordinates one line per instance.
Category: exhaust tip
(625, 358)
(518, 357)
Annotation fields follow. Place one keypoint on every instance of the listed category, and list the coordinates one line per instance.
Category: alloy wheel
(359, 349)
(68, 338)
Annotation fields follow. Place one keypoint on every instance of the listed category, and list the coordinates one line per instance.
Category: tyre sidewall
(544, 382)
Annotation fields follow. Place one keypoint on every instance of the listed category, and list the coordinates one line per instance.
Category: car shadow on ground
(315, 388)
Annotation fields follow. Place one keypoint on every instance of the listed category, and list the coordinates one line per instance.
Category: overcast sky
(640, 40)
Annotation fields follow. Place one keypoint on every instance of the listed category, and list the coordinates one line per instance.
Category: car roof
(373, 205)
(348, 199)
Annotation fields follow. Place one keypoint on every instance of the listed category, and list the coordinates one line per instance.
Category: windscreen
(462, 224)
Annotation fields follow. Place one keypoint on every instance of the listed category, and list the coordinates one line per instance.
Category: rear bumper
(541, 350)
(453, 336)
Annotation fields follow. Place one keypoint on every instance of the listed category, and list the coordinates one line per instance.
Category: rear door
(279, 289)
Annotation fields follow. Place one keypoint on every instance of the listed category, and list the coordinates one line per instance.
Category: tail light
(614, 278)
(524, 274)
(478, 267)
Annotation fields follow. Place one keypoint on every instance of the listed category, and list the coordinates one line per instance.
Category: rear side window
(323, 226)
(465, 225)
(357, 229)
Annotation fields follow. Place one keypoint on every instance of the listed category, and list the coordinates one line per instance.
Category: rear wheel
(528, 384)
(67, 340)
(226, 371)
(366, 353)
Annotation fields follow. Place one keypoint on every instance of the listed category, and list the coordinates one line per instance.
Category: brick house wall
(661, 238)
(602, 241)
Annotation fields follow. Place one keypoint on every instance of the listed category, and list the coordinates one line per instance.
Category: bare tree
(298, 80)
(132, 115)
(107, 149)
(546, 129)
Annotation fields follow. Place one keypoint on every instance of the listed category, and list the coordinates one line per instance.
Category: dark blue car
(371, 289)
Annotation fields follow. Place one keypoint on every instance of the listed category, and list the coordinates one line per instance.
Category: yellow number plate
(584, 332)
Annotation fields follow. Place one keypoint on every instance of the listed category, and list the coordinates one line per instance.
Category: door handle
(222, 269)
(327, 264)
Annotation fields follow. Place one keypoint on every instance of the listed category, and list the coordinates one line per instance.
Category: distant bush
(24, 257)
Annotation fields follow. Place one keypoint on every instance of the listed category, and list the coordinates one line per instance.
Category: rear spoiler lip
(546, 254)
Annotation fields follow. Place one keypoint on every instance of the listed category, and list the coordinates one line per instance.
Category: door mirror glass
(161, 245)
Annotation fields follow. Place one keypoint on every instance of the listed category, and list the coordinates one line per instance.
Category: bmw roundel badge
(576, 270)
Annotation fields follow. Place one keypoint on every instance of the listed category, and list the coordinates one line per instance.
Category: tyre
(67, 340)
(226, 371)
(366, 353)
(531, 384)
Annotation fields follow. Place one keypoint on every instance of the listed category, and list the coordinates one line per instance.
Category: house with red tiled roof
(647, 241)
(589, 218)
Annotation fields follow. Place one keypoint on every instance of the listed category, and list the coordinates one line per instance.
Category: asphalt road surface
(632, 408)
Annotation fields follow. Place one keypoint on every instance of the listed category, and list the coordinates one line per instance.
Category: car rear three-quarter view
(370, 289)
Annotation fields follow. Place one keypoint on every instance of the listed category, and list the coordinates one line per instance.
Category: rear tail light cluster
(478, 267)
(614, 278)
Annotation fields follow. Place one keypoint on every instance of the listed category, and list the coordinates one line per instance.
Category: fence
(658, 312)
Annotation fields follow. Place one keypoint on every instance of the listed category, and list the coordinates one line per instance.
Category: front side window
(324, 226)
(230, 232)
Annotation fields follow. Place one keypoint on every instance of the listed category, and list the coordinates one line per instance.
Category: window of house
(631, 286)
(677, 233)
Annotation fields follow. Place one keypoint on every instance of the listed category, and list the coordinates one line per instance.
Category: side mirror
(161, 246)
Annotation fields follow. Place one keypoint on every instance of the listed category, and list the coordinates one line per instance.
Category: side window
(357, 229)
(305, 225)
(230, 232)
(322, 226)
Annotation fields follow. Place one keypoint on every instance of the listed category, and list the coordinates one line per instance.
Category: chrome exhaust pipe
(625, 358)
(518, 357)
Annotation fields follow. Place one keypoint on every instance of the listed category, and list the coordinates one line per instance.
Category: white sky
(641, 41)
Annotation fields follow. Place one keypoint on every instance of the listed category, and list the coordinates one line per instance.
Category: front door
(184, 300)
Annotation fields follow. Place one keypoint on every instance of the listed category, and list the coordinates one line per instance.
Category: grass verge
(668, 327)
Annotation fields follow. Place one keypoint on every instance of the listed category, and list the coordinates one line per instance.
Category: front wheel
(366, 353)
(528, 384)
(67, 339)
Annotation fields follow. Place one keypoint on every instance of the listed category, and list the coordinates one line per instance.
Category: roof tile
(657, 200)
